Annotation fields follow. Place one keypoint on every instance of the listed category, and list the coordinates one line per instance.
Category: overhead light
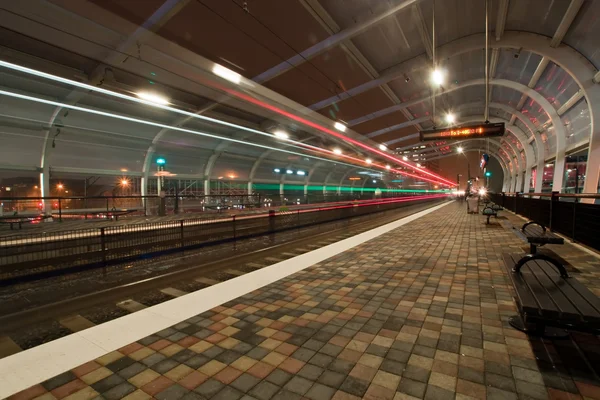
(226, 73)
(437, 77)
(301, 173)
(388, 167)
(153, 98)
(419, 165)
(450, 118)
(124, 182)
(374, 181)
(123, 169)
(405, 158)
(277, 170)
(482, 192)
(337, 151)
(339, 126)
(281, 134)
(289, 171)
(382, 147)
(459, 149)
(369, 161)
(569, 170)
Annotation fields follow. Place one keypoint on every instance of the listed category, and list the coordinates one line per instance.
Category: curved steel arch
(569, 59)
(469, 147)
(531, 160)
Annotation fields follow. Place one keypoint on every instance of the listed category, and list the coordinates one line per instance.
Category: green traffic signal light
(488, 174)
(161, 161)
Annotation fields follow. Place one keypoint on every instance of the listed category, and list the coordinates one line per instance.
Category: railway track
(40, 323)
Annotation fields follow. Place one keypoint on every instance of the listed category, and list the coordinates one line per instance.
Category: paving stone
(354, 386)
(245, 382)
(264, 390)
(119, 391)
(412, 388)
(59, 380)
(298, 385)
(320, 392)
(279, 377)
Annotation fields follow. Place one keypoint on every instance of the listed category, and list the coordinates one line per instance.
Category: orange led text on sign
(462, 132)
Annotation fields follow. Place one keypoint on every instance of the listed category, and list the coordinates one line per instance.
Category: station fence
(77, 207)
(43, 254)
(561, 212)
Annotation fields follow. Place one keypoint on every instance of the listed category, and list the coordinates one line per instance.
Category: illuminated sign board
(464, 132)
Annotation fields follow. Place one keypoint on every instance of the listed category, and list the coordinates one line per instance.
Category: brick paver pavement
(417, 313)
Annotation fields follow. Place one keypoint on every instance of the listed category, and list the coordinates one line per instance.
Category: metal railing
(561, 212)
(76, 207)
(38, 254)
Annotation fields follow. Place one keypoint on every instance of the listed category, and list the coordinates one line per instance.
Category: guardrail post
(59, 209)
(233, 222)
(503, 199)
(298, 218)
(107, 207)
(553, 198)
(271, 221)
(181, 234)
(176, 207)
(103, 246)
(574, 223)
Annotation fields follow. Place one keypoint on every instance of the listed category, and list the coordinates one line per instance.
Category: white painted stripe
(29, 367)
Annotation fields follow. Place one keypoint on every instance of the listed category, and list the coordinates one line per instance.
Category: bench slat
(525, 298)
(545, 272)
(546, 305)
(587, 302)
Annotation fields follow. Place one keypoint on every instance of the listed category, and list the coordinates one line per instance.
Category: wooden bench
(19, 219)
(489, 212)
(548, 299)
(536, 234)
(114, 212)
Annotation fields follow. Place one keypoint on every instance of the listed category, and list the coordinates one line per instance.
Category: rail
(44, 254)
(575, 219)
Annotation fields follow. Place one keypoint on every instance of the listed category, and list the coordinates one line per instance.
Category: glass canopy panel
(506, 96)
(535, 16)
(523, 127)
(420, 110)
(452, 17)
(397, 37)
(556, 85)
(535, 112)
(585, 31)
(577, 123)
(515, 66)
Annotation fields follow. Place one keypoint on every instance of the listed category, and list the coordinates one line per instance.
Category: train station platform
(416, 308)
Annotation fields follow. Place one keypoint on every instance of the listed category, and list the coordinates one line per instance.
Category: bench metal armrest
(532, 223)
(538, 256)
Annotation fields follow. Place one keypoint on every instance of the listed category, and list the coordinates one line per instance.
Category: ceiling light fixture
(450, 118)
(227, 74)
(339, 126)
(383, 147)
(281, 134)
(369, 161)
(337, 151)
(153, 98)
(437, 77)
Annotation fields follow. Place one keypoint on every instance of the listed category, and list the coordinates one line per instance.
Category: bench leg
(536, 329)
(488, 219)
(532, 248)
